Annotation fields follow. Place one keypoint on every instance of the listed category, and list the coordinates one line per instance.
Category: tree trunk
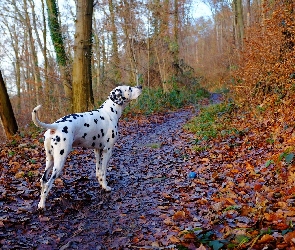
(6, 111)
(82, 81)
(36, 70)
(44, 51)
(238, 23)
(115, 52)
(58, 43)
(176, 33)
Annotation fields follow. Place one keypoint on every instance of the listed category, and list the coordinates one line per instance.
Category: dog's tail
(38, 123)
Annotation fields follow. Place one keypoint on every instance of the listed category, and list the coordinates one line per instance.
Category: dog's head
(124, 94)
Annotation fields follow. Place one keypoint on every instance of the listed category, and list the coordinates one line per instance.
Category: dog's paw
(107, 188)
(41, 206)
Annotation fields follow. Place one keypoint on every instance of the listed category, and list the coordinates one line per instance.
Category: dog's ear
(117, 97)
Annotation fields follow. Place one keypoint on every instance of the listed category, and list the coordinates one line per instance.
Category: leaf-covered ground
(239, 198)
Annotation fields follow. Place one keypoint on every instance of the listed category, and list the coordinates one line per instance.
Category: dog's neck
(115, 109)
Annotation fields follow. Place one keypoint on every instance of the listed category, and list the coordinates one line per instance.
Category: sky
(200, 9)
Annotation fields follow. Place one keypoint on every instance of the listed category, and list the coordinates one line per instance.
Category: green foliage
(206, 238)
(268, 163)
(233, 207)
(207, 125)
(11, 153)
(155, 100)
(287, 156)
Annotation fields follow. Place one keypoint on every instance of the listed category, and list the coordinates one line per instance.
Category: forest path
(146, 165)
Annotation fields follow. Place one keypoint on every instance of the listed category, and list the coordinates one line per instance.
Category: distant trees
(157, 43)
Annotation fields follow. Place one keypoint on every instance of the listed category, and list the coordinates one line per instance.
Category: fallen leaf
(174, 239)
(266, 239)
(290, 238)
(178, 216)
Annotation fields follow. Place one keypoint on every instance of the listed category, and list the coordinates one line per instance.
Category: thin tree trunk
(44, 52)
(238, 23)
(96, 50)
(176, 32)
(115, 55)
(36, 70)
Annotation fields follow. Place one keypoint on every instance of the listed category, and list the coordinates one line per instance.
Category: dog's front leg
(102, 161)
(98, 159)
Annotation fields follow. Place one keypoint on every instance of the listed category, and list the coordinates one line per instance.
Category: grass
(210, 122)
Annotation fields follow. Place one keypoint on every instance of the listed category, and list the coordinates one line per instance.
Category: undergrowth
(155, 100)
(212, 121)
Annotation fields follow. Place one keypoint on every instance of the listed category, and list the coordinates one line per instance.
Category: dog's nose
(139, 87)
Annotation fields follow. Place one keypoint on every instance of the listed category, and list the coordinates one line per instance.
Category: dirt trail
(143, 167)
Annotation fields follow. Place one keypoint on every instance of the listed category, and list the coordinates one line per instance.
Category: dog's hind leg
(57, 169)
(48, 168)
(102, 158)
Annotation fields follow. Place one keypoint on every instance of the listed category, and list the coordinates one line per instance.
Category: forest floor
(237, 200)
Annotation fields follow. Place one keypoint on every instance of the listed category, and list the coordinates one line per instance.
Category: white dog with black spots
(97, 129)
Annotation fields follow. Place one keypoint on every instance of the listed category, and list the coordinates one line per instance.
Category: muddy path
(147, 167)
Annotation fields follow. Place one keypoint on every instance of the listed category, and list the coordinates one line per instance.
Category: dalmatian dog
(97, 129)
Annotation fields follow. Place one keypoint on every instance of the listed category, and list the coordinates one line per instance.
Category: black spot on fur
(65, 129)
(113, 134)
(62, 152)
(84, 135)
(94, 137)
(100, 145)
(101, 117)
(86, 125)
(57, 138)
(93, 144)
(65, 139)
(98, 135)
(102, 134)
(108, 140)
(44, 175)
(95, 120)
(54, 177)
(112, 109)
